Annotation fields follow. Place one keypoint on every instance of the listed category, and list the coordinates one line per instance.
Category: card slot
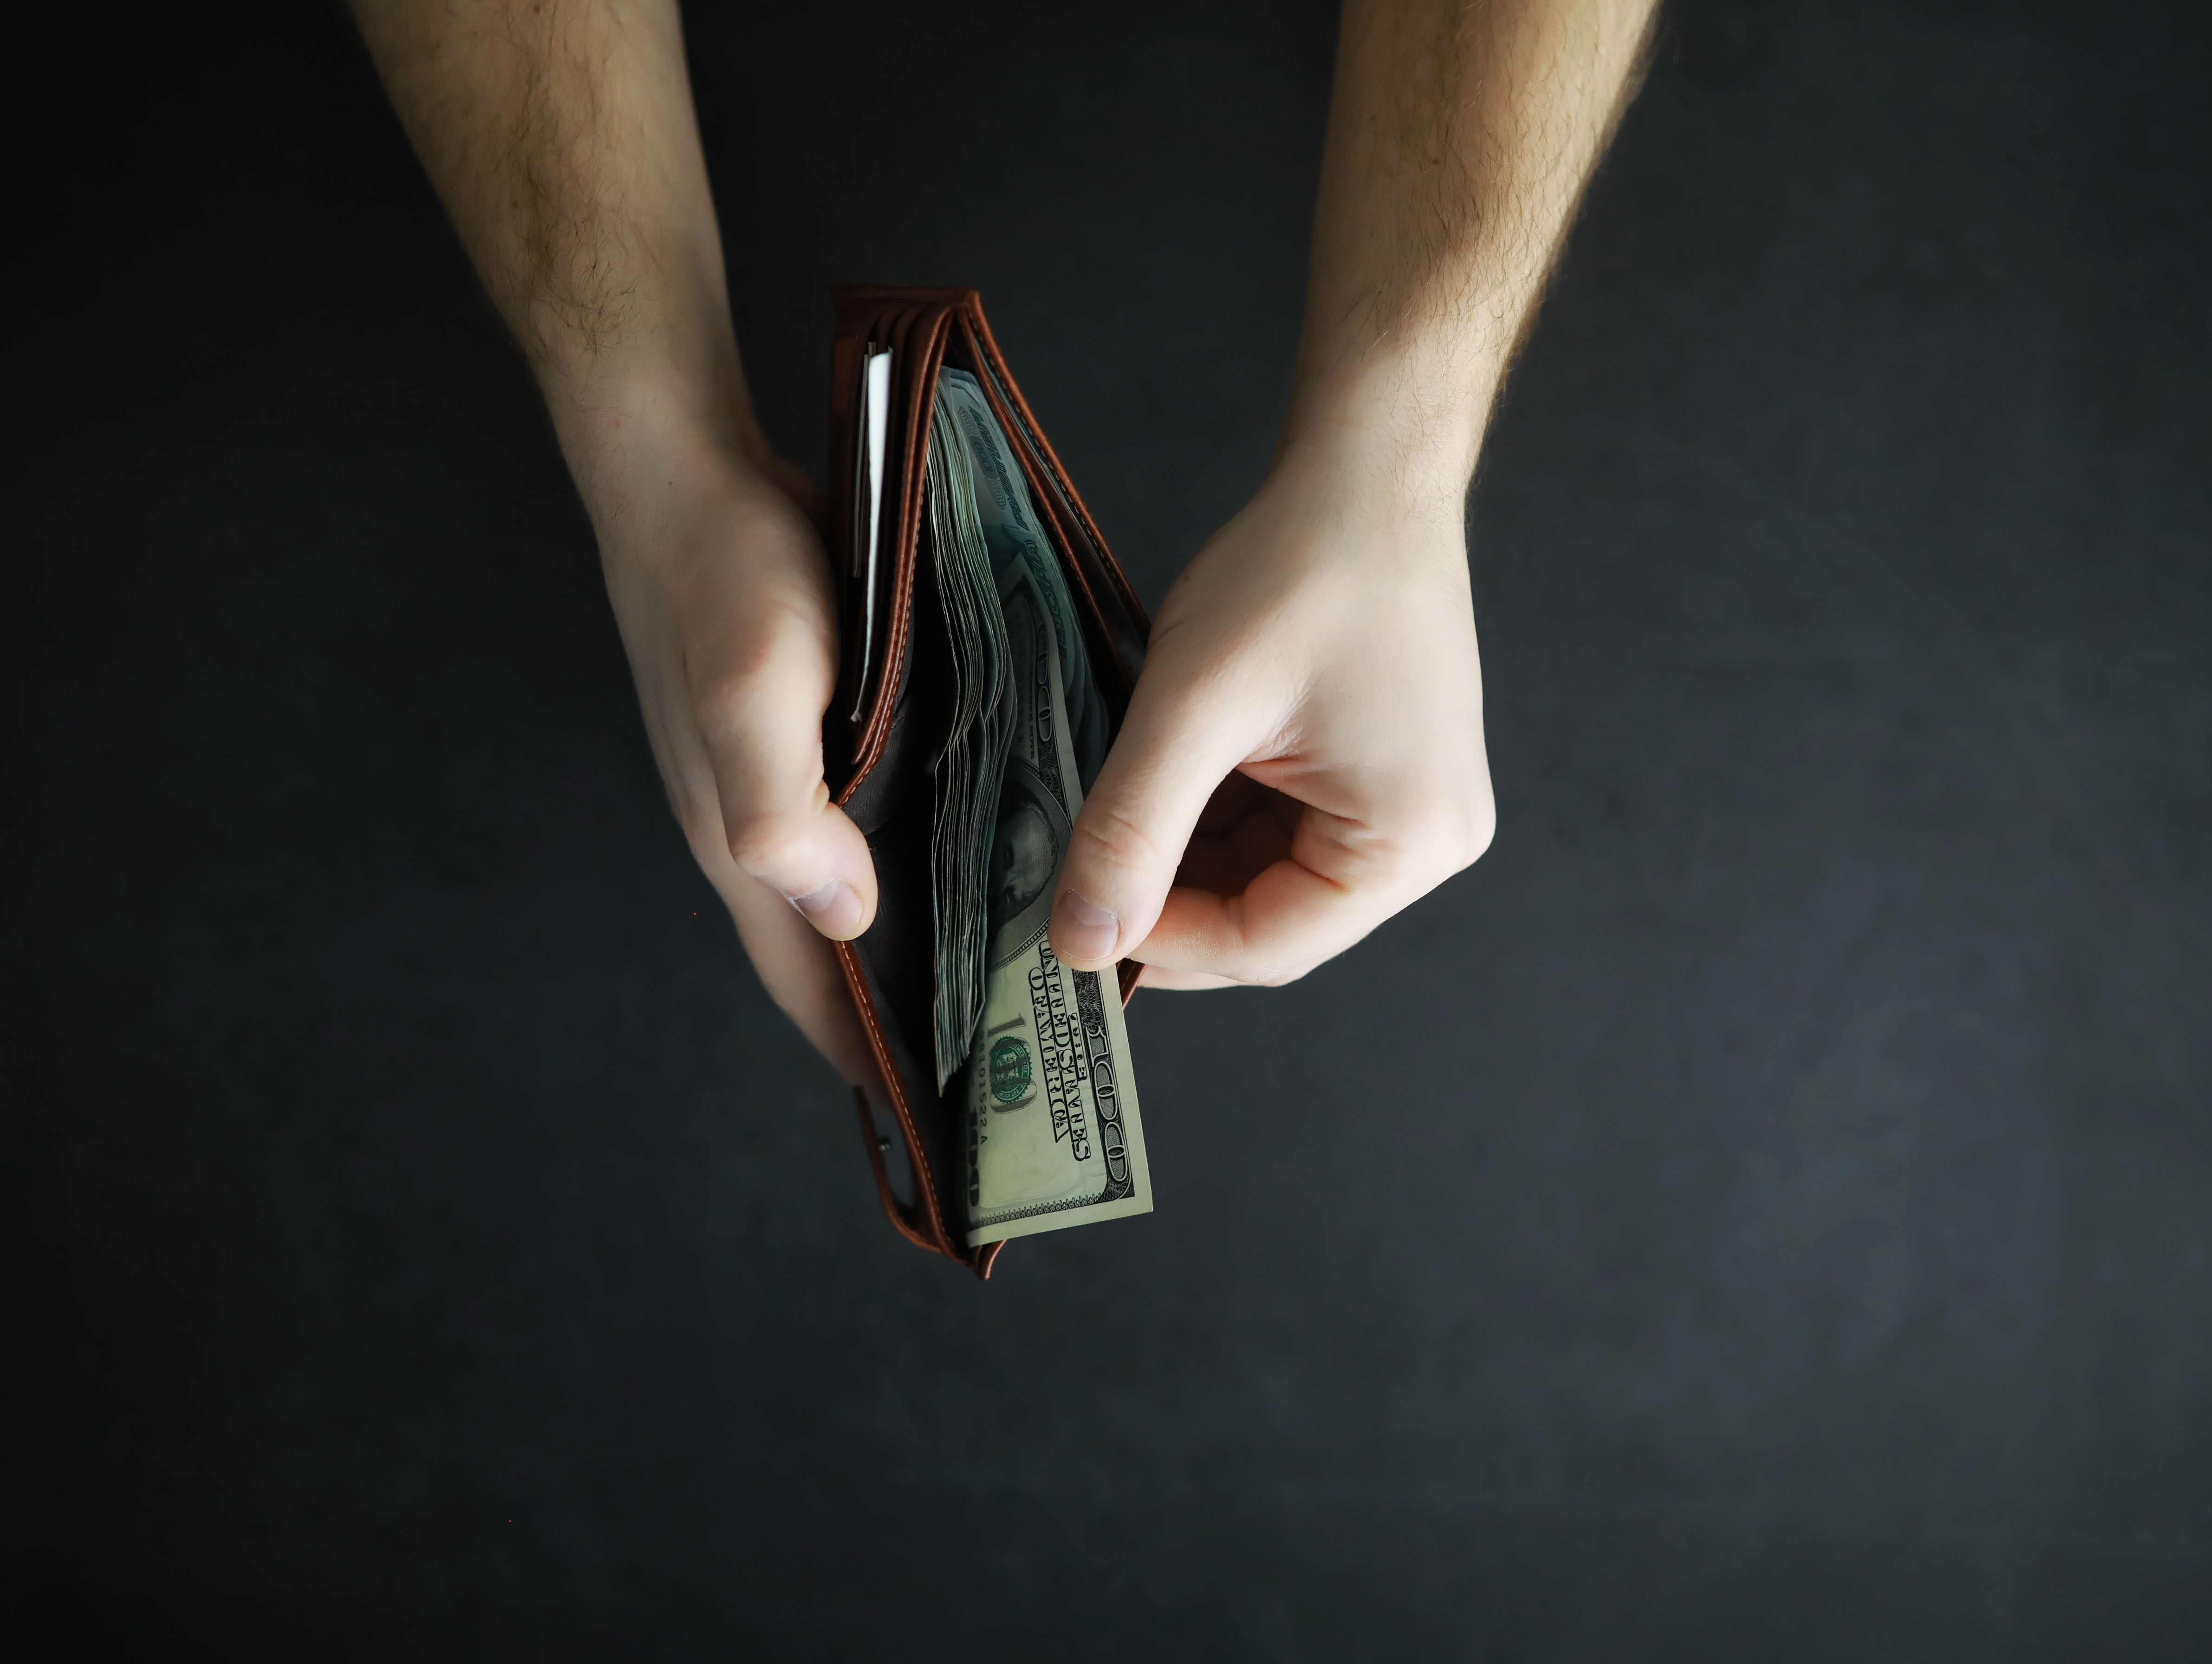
(870, 436)
(918, 339)
(914, 335)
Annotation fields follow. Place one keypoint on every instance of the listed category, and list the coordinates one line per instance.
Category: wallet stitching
(892, 1210)
(980, 342)
(848, 961)
(1040, 500)
(1125, 591)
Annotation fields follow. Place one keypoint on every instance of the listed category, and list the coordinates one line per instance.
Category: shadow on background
(1759, 1212)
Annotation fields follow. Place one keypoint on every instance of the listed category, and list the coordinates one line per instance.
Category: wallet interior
(892, 711)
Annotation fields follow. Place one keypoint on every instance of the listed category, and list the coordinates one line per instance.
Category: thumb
(1182, 735)
(776, 814)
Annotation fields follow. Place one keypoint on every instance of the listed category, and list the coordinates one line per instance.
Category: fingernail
(1081, 929)
(834, 909)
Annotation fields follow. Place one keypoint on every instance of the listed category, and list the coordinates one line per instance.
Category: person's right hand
(724, 600)
(1303, 755)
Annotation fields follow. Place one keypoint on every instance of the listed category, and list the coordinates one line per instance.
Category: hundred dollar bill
(1015, 539)
(967, 770)
(1054, 1134)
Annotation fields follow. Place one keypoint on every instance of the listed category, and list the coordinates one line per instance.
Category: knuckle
(1365, 860)
(702, 832)
(768, 844)
(1111, 839)
(1481, 831)
(776, 666)
(700, 816)
(1386, 859)
(735, 701)
(1449, 837)
(1475, 817)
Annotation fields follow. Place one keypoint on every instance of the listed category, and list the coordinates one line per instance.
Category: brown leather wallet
(892, 707)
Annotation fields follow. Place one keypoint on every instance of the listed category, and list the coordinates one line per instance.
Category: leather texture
(893, 706)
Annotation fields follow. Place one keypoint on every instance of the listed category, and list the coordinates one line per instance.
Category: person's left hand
(727, 612)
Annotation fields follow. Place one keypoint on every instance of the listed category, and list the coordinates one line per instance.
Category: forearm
(1461, 135)
(561, 136)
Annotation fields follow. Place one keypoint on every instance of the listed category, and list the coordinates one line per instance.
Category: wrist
(1397, 426)
(633, 431)
(657, 373)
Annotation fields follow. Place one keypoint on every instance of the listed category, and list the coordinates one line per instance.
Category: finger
(1183, 734)
(1337, 882)
(763, 736)
(1213, 864)
(1225, 856)
(1237, 799)
(1183, 981)
(801, 487)
(800, 972)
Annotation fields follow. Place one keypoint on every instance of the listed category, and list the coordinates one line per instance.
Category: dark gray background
(1759, 1212)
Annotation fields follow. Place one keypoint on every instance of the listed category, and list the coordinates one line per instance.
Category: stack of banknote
(1053, 1134)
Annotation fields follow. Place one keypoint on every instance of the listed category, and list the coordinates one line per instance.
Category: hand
(1303, 755)
(724, 600)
